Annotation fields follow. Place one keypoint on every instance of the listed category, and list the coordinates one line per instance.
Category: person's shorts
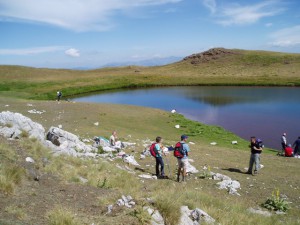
(182, 163)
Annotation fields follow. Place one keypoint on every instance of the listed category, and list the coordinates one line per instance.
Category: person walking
(296, 146)
(59, 94)
(160, 173)
(255, 156)
(283, 143)
(183, 161)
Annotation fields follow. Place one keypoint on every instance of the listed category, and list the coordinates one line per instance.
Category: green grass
(244, 68)
(62, 216)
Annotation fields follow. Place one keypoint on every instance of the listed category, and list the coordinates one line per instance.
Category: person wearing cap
(288, 151)
(283, 142)
(182, 162)
(255, 156)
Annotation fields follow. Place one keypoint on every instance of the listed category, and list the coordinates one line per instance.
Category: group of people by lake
(256, 148)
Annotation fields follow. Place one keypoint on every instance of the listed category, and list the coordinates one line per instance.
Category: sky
(93, 33)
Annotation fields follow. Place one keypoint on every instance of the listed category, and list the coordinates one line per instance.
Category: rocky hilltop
(209, 55)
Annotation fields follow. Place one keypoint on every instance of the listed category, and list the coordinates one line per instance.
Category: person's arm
(257, 149)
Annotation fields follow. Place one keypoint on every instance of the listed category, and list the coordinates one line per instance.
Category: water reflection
(266, 112)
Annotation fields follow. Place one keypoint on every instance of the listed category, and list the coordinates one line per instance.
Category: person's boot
(183, 178)
(178, 178)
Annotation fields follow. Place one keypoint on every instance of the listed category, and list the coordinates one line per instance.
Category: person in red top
(288, 151)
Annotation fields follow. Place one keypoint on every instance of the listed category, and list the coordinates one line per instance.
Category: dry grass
(62, 216)
(168, 195)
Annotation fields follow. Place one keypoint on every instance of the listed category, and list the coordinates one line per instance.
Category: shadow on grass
(234, 170)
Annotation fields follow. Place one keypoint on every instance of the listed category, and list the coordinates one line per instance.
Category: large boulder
(194, 217)
(14, 125)
(68, 143)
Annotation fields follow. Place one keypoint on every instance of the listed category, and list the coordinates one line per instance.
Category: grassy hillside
(61, 196)
(236, 67)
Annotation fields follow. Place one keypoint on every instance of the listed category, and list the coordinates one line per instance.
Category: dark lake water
(265, 112)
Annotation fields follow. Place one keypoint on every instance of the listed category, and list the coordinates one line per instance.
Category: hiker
(59, 94)
(158, 157)
(113, 141)
(182, 161)
(256, 149)
(296, 146)
(283, 143)
(288, 151)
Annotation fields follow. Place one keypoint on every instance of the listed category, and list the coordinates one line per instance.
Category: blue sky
(92, 33)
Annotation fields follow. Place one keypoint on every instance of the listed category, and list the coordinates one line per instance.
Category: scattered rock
(193, 217)
(147, 176)
(156, 218)
(173, 111)
(230, 185)
(29, 159)
(259, 211)
(213, 143)
(218, 176)
(96, 124)
(19, 125)
(190, 168)
(60, 126)
(234, 142)
(130, 160)
(177, 126)
(126, 201)
(83, 180)
(34, 111)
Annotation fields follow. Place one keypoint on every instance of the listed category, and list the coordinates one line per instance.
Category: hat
(183, 137)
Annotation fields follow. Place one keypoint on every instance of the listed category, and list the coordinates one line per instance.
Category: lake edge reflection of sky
(265, 112)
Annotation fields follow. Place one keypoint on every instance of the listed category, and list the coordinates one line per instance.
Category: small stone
(177, 126)
(29, 159)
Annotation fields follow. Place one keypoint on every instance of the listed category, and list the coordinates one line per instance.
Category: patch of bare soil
(33, 200)
(210, 55)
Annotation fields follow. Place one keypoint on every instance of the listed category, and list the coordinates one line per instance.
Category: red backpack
(178, 151)
(152, 149)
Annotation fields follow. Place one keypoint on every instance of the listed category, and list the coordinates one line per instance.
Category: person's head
(284, 134)
(253, 139)
(158, 139)
(184, 137)
(289, 145)
(114, 133)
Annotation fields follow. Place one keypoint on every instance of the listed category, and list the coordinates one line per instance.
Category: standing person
(283, 143)
(158, 158)
(255, 156)
(59, 94)
(296, 146)
(182, 162)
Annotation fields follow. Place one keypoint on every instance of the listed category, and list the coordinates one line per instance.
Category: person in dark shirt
(296, 146)
(255, 156)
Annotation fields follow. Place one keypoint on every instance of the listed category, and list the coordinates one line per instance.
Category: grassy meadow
(60, 197)
(242, 68)
(61, 188)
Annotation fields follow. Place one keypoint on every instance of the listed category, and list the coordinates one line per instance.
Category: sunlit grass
(62, 216)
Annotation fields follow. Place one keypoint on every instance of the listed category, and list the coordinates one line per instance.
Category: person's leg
(157, 167)
(251, 161)
(184, 161)
(162, 167)
(179, 168)
(257, 163)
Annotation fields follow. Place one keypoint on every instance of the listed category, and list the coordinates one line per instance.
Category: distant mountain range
(147, 62)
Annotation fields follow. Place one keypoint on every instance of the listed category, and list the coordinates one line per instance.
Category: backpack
(259, 143)
(178, 151)
(152, 150)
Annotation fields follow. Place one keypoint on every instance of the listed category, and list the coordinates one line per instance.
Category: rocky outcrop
(15, 125)
(194, 217)
(68, 143)
(210, 55)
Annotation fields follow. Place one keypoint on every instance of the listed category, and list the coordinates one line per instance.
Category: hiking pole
(168, 167)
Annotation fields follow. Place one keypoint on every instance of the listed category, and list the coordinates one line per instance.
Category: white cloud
(210, 4)
(269, 24)
(78, 15)
(287, 37)
(31, 51)
(72, 52)
(248, 14)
